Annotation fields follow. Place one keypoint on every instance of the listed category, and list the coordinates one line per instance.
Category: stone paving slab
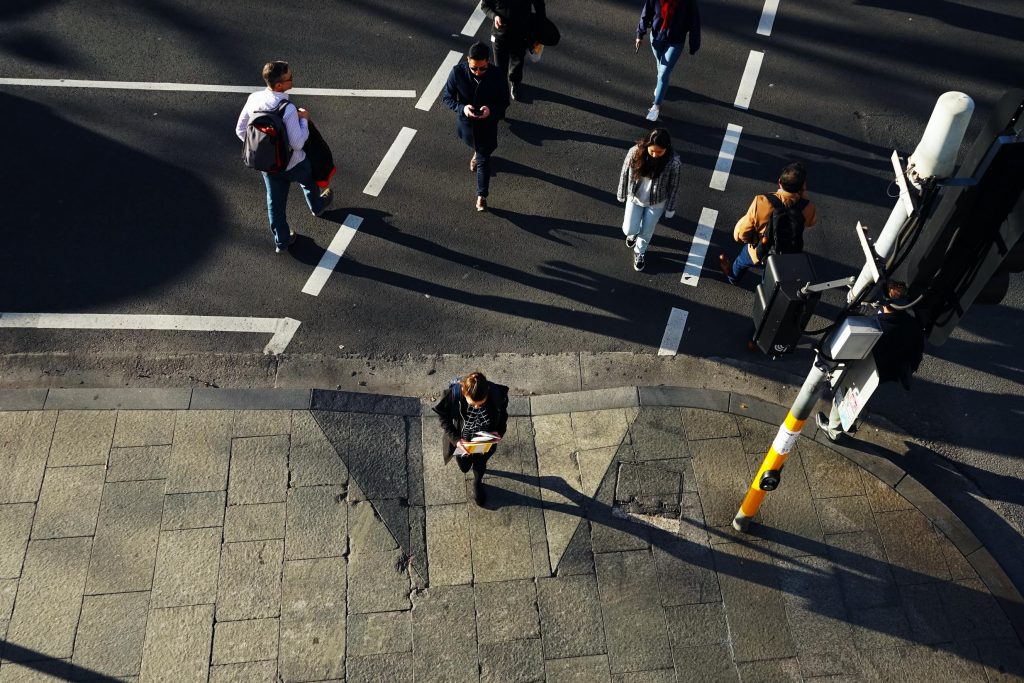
(284, 545)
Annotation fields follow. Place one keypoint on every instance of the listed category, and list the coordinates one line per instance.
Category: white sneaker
(652, 115)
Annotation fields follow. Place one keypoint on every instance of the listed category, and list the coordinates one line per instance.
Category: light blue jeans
(666, 56)
(641, 221)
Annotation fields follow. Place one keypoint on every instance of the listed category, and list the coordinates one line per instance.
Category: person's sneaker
(515, 91)
(328, 198)
(631, 241)
(481, 204)
(653, 113)
(472, 163)
(479, 493)
(822, 421)
(278, 250)
(638, 262)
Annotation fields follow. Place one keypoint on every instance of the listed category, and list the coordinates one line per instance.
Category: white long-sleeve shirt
(298, 130)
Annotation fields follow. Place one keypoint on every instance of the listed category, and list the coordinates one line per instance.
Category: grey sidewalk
(234, 535)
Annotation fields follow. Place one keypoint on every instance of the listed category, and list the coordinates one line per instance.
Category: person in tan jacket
(750, 229)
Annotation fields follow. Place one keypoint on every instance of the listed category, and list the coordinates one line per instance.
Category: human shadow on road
(47, 666)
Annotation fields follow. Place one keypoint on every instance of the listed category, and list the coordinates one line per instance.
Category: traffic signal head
(781, 309)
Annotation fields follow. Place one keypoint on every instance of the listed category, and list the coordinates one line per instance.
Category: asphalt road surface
(133, 202)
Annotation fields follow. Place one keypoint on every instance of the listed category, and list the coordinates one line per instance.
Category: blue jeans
(483, 174)
(641, 221)
(740, 264)
(666, 56)
(278, 185)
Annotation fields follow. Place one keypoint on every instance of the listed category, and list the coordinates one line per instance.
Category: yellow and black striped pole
(770, 473)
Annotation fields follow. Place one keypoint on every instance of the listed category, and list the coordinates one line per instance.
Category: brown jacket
(749, 229)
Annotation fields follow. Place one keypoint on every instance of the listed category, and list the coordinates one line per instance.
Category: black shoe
(479, 493)
(328, 198)
(291, 241)
(822, 422)
(631, 241)
(638, 262)
(515, 91)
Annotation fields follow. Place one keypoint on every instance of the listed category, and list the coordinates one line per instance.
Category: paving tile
(516, 661)
(317, 522)
(593, 465)
(506, 611)
(82, 437)
(259, 470)
(686, 573)
(844, 515)
(583, 401)
(442, 484)
(788, 514)
(248, 672)
(578, 557)
(814, 607)
(235, 642)
(601, 428)
(972, 612)
(696, 625)
(260, 522)
(374, 448)
(177, 646)
(370, 404)
(15, 529)
(959, 566)
(449, 551)
(187, 565)
(592, 669)
(553, 432)
(414, 461)
(634, 622)
(23, 453)
(880, 627)
(379, 633)
(111, 633)
(881, 496)
(250, 400)
(708, 424)
(193, 510)
(313, 619)
(389, 668)
(912, 546)
(1003, 659)
(378, 582)
(690, 397)
(127, 530)
(8, 590)
(923, 609)
(249, 583)
(829, 474)
(144, 428)
(659, 676)
(570, 616)
(724, 472)
(313, 460)
(201, 451)
(69, 502)
(844, 664)
(261, 423)
(136, 463)
(705, 663)
(863, 569)
(54, 670)
(501, 539)
(122, 398)
(49, 597)
(444, 633)
(772, 671)
(753, 602)
(757, 436)
(951, 663)
(22, 399)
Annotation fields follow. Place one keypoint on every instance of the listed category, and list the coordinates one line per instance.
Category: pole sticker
(784, 440)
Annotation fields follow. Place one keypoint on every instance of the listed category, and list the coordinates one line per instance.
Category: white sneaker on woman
(652, 115)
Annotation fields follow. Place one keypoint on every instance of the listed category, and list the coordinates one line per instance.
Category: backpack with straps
(784, 233)
(266, 147)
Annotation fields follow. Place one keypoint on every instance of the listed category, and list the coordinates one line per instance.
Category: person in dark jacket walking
(670, 22)
(479, 96)
(468, 407)
(512, 21)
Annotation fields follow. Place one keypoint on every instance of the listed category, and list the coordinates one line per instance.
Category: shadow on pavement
(47, 666)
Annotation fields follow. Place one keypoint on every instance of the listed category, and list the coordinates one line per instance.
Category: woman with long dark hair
(648, 185)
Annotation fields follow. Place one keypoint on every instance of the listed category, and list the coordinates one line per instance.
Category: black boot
(479, 492)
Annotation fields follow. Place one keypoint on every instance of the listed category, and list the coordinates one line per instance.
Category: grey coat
(664, 187)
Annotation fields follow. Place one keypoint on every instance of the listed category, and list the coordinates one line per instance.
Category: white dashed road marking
(282, 328)
(329, 261)
(771, 8)
(475, 20)
(389, 162)
(432, 90)
(725, 157)
(673, 333)
(746, 89)
(699, 247)
(198, 87)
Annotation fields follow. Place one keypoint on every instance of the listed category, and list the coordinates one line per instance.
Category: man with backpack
(774, 224)
(274, 131)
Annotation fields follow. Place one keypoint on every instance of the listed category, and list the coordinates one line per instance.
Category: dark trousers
(509, 54)
(483, 174)
(477, 462)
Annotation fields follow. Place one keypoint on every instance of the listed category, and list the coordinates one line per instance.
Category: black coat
(451, 413)
(492, 91)
(515, 16)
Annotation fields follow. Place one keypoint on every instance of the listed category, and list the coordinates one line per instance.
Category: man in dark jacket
(510, 36)
(479, 96)
(670, 22)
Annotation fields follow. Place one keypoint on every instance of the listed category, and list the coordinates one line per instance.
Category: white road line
(771, 8)
(673, 332)
(432, 90)
(282, 328)
(699, 247)
(725, 157)
(198, 87)
(475, 20)
(389, 162)
(746, 90)
(329, 261)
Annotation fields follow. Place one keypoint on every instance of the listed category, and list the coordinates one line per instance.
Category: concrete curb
(872, 458)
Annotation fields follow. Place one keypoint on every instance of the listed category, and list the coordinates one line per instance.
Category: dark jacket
(451, 413)
(492, 91)
(321, 160)
(686, 20)
(899, 350)
(515, 15)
